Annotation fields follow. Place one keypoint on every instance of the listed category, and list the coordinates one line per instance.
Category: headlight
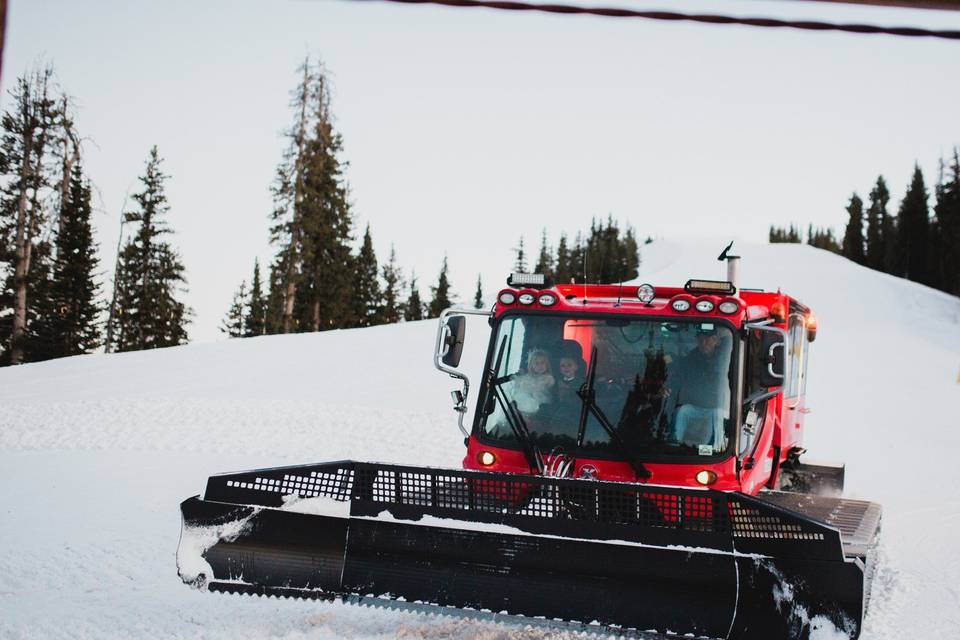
(526, 298)
(487, 459)
(704, 306)
(646, 293)
(706, 477)
(728, 306)
(680, 305)
(547, 299)
(507, 298)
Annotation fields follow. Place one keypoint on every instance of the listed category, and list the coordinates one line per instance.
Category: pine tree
(287, 232)
(823, 239)
(255, 318)
(578, 265)
(787, 235)
(234, 321)
(913, 237)
(312, 218)
(876, 221)
(329, 266)
(413, 309)
(946, 263)
(151, 275)
(630, 256)
(520, 259)
(392, 310)
(478, 295)
(72, 326)
(563, 271)
(30, 131)
(853, 236)
(367, 296)
(545, 264)
(441, 293)
(276, 290)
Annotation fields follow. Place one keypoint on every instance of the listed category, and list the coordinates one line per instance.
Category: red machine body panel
(780, 428)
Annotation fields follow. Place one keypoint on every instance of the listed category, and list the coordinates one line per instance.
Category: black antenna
(619, 293)
(723, 256)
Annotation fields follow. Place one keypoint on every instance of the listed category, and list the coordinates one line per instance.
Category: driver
(697, 385)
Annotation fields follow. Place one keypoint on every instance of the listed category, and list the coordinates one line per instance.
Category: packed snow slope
(96, 453)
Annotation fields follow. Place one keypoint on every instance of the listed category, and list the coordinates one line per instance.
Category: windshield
(661, 387)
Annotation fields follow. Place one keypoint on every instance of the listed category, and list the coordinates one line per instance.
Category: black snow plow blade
(631, 557)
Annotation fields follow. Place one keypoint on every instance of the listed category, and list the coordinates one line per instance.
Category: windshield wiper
(512, 414)
(588, 397)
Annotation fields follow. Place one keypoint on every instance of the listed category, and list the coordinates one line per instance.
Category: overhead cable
(616, 12)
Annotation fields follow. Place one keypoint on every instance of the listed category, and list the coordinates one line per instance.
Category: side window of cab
(796, 360)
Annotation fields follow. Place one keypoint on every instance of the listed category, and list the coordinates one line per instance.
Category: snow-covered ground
(96, 453)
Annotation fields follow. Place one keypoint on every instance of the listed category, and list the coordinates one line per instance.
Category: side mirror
(454, 331)
(773, 350)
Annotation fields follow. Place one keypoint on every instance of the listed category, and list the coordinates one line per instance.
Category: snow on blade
(97, 452)
(195, 541)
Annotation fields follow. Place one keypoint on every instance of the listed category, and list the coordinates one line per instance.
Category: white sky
(466, 129)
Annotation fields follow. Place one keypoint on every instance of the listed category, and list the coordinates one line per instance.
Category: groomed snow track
(436, 611)
(626, 558)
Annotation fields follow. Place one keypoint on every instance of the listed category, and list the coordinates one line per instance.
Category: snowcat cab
(699, 385)
(632, 465)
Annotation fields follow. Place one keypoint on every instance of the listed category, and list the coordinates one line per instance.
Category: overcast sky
(465, 129)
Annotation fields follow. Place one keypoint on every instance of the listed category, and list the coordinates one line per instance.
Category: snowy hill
(97, 451)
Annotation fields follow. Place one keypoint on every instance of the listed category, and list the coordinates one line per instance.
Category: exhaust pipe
(733, 271)
(733, 267)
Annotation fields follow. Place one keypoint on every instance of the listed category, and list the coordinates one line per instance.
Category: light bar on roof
(527, 280)
(710, 286)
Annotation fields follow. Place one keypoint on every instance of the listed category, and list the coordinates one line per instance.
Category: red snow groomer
(633, 465)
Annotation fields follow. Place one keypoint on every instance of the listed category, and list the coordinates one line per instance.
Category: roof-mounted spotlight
(710, 286)
(646, 293)
(531, 280)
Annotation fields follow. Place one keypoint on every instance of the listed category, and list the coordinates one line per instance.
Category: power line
(671, 16)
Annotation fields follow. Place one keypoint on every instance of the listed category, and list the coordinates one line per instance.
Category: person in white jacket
(534, 387)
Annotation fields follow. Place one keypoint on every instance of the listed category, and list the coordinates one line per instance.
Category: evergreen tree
(235, 320)
(578, 265)
(413, 309)
(151, 275)
(853, 236)
(876, 222)
(312, 217)
(520, 261)
(38, 341)
(276, 290)
(823, 239)
(367, 296)
(441, 293)
(545, 264)
(563, 271)
(630, 265)
(392, 310)
(593, 253)
(913, 237)
(255, 318)
(946, 263)
(789, 235)
(71, 327)
(30, 130)
(478, 295)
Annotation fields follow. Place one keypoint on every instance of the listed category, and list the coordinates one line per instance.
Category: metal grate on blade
(750, 522)
(337, 484)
